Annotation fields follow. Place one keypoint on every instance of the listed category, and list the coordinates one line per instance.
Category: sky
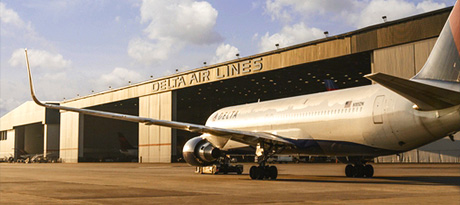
(79, 47)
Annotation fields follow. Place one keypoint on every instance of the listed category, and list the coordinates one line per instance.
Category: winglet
(32, 92)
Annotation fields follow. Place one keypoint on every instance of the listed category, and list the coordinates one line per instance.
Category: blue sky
(76, 47)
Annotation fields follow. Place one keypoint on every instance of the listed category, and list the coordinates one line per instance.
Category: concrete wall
(155, 141)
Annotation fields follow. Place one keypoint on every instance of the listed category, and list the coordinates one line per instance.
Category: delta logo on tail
(330, 85)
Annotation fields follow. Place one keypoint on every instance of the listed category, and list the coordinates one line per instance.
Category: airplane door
(377, 113)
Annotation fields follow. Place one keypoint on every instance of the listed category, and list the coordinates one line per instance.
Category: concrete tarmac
(133, 183)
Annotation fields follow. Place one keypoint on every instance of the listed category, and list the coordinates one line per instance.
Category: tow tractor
(222, 166)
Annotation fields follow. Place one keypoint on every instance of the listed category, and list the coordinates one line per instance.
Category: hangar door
(109, 140)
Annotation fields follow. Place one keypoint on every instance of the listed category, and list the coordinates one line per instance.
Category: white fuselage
(370, 116)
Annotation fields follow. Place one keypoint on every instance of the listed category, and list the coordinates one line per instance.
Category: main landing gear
(359, 170)
(263, 171)
(357, 167)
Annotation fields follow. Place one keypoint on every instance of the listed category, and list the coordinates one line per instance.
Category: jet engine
(199, 152)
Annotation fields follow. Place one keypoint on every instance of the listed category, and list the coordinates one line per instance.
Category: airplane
(126, 148)
(355, 125)
(330, 85)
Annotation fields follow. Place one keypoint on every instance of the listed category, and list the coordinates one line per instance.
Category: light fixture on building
(204, 63)
(277, 46)
(384, 19)
(238, 55)
(326, 33)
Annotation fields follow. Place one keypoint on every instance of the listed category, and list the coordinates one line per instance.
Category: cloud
(186, 20)
(146, 52)
(118, 77)
(12, 23)
(225, 52)
(39, 59)
(356, 13)
(393, 9)
(289, 35)
(429, 5)
(171, 25)
(288, 10)
(9, 16)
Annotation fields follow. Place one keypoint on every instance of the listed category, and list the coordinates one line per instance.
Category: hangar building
(29, 129)
(398, 48)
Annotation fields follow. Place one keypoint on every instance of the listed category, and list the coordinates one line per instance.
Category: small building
(29, 130)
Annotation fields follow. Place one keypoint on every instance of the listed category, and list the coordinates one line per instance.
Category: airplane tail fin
(444, 61)
(124, 144)
(330, 85)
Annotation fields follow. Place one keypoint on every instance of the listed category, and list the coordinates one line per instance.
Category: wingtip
(32, 92)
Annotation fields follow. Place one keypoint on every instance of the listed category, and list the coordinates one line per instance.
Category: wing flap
(426, 97)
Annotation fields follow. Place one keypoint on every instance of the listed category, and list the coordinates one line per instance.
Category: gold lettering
(156, 87)
(205, 76)
(174, 82)
(194, 78)
(218, 75)
(246, 66)
(181, 81)
(235, 70)
(257, 64)
(163, 85)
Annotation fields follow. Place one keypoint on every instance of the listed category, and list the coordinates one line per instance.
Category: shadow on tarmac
(416, 180)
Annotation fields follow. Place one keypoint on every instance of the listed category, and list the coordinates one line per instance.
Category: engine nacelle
(199, 152)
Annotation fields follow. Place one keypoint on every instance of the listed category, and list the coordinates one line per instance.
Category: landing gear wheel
(368, 171)
(252, 172)
(349, 170)
(260, 172)
(359, 171)
(272, 172)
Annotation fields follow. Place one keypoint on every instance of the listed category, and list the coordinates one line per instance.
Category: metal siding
(397, 60)
(364, 41)
(69, 137)
(422, 29)
(144, 103)
(165, 132)
(422, 51)
(155, 141)
(154, 130)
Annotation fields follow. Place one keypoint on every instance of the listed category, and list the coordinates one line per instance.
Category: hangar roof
(410, 29)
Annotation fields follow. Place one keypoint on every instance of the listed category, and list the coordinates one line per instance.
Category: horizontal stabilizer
(426, 97)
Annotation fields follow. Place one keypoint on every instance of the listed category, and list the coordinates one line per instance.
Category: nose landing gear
(265, 151)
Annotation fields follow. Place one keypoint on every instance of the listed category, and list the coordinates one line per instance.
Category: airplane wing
(245, 137)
